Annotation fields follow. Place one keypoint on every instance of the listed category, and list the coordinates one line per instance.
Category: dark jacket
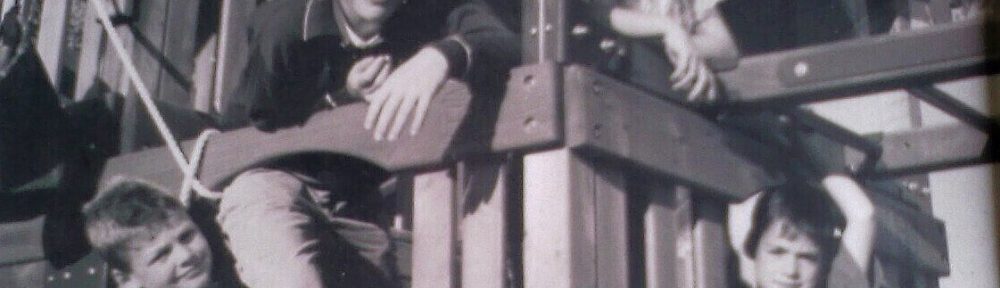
(297, 54)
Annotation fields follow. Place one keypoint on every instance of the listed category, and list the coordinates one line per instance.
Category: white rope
(154, 113)
(190, 182)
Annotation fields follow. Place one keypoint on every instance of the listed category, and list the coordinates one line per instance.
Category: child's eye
(187, 236)
(160, 255)
(777, 251)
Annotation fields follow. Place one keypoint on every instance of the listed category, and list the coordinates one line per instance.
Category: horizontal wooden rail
(458, 124)
(613, 119)
(852, 68)
(928, 149)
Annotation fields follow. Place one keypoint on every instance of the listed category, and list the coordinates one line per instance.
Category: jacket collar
(319, 20)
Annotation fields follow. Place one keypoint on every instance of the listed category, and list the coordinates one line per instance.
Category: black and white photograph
(499, 143)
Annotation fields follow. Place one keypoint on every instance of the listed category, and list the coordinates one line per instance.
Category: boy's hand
(690, 73)
(407, 90)
(367, 75)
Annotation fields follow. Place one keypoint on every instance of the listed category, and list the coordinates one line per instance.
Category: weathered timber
(856, 67)
(434, 230)
(559, 224)
(928, 149)
(453, 129)
(21, 241)
(484, 227)
(613, 119)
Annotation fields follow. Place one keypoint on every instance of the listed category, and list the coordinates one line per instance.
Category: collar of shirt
(325, 17)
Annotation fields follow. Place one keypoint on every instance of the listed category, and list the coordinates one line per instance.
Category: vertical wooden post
(710, 244)
(662, 223)
(484, 225)
(50, 37)
(233, 48)
(611, 221)
(574, 222)
(434, 230)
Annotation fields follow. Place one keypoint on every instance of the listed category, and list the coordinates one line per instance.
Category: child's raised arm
(696, 52)
(859, 234)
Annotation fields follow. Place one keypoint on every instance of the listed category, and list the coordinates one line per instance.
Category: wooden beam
(52, 30)
(910, 236)
(711, 245)
(22, 241)
(180, 35)
(454, 129)
(559, 221)
(611, 224)
(862, 66)
(663, 219)
(233, 48)
(928, 149)
(484, 226)
(613, 119)
(434, 230)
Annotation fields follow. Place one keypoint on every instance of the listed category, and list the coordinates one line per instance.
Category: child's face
(176, 257)
(371, 10)
(786, 258)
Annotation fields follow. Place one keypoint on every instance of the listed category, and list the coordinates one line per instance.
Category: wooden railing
(574, 179)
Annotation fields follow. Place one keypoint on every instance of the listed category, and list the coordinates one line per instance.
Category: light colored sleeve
(702, 8)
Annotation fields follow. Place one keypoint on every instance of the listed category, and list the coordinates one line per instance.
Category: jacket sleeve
(478, 38)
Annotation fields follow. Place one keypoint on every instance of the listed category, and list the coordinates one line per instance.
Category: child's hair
(129, 210)
(802, 206)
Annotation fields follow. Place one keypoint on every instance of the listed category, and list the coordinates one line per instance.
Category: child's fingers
(382, 75)
(404, 112)
(386, 115)
(423, 103)
(375, 103)
(700, 87)
(688, 78)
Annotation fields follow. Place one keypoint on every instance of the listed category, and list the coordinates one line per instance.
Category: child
(147, 238)
(793, 242)
(307, 222)
(695, 39)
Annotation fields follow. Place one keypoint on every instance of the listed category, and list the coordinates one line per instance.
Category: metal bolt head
(580, 30)
(801, 69)
(548, 27)
(67, 275)
(607, 45)
(91, 271)
(533, 31)
(913, 186)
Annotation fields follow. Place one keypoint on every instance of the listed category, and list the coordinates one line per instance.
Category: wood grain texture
(434, 231)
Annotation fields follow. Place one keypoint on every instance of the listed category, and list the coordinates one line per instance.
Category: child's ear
(123, 279)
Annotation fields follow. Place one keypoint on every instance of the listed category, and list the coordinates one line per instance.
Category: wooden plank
(861, 66)
(661, 226)
(927, 149)
(909, 236)
(613, 119)
(611, 224)
(484, 223)
(711, 245)
(204, 75)
(559, 248)
(28, 274)
(148, 41)
(52, 29)
(434, 231)
(446, 136)
(684, 240)
(179, 52)
(90, 52)
(233, 48)
(21, 241)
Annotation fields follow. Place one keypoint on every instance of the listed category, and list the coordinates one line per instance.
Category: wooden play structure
(573, 179)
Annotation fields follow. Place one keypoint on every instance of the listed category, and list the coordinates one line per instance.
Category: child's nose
(790, 267)
(185, 254)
